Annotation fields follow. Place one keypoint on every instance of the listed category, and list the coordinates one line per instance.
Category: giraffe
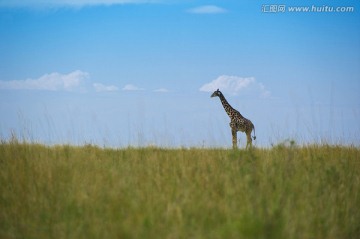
(237, 121)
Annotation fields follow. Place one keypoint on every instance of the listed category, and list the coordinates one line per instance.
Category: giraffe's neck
(229, 110)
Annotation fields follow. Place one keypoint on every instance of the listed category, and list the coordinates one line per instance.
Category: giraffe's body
(237, 121)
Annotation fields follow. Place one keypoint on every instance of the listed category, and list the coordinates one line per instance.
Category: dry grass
(90, 192)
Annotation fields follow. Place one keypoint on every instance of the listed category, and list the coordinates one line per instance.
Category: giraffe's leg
(234, 138)
(249, 140)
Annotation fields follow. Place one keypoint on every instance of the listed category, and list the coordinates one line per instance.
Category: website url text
(280, 8)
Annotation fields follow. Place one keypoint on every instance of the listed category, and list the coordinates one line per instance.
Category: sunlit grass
(91, 192)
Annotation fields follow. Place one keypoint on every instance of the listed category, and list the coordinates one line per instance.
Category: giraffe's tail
(254, 137)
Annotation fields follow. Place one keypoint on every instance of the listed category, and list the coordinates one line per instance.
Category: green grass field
(90, 192)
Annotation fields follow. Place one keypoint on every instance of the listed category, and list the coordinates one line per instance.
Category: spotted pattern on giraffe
(237, 121)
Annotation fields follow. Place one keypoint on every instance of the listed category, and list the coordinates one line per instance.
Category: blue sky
(118, 73)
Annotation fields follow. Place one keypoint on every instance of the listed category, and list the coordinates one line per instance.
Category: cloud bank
(161, 90)
(207, 9)
(51, 82)
(101, 87)
(131, 87)
(235, 84)
(74, 81)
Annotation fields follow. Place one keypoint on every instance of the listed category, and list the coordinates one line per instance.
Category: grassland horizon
(286, 191)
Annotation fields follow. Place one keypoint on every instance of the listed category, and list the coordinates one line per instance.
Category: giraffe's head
(216, 93)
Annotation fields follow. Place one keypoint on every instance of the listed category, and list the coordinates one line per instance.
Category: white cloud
(53, 82)
(207, 9)
(130, 87)
(234, 84)
(161, 90)
(100, 87)
(68, 3)
(264, 92)
(231, 84)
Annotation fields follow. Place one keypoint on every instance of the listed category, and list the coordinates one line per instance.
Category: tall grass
(90, 192)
